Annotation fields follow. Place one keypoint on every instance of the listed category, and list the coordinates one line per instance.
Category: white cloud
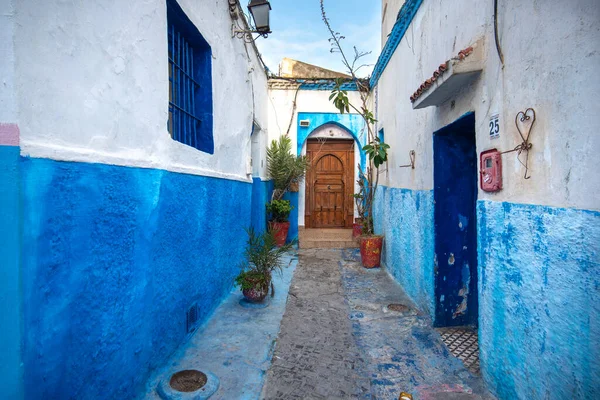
(314, 48)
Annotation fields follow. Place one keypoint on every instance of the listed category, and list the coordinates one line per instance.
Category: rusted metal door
(329, 184)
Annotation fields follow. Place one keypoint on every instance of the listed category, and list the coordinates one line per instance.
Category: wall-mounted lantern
(260, 11)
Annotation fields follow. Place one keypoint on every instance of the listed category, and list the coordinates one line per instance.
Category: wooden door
(330, 184)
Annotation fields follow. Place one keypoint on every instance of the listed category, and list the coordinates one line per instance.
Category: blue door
(455, 196)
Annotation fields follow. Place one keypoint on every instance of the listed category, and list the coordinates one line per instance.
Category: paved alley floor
(339, 340)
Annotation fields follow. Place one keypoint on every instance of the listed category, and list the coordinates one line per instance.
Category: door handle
(328, 187)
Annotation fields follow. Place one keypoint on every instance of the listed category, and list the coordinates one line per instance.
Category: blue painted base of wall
(10, 294)
(405, 217)
(261, 195)
(293, 232)
(112, 258)
(539, 283)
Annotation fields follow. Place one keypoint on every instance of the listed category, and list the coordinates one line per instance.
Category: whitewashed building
(126, 132)
(497, 225)
(300, 108)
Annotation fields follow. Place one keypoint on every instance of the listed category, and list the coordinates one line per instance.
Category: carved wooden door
(330, 184)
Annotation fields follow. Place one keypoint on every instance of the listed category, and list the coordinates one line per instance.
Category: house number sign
(494, 126)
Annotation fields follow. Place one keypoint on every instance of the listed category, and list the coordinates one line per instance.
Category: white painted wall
(281, 113)
(8, 107)
(281, 107)
(92, 85)
(389, 11)
(551, 60)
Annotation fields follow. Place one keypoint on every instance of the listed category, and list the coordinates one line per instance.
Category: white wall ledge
(459, 73)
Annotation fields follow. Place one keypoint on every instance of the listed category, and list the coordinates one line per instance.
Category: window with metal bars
(190, 82)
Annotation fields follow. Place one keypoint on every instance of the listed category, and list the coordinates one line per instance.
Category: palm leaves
(283, 167)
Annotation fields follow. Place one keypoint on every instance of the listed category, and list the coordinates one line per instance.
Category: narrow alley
(333, 330)
(318, 199)
(342, 338)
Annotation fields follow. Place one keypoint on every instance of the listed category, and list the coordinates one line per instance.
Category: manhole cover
(398, 307)
(188, 380)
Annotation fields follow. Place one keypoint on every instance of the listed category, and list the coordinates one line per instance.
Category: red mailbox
(490, 178)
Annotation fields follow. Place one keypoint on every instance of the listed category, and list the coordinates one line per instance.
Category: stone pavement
(316, 356)
(235, 344)
(339, 339)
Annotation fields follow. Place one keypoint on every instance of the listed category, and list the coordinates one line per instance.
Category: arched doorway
(329, 183)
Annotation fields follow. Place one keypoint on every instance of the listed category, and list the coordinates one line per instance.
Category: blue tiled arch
(351, 123)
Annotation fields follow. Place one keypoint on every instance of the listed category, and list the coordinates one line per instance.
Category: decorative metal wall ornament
(524, 121)
(412, 156)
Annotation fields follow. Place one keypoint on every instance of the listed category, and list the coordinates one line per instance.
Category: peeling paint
(405, 217)
(451, 259)
(455, 195)
(543, 302)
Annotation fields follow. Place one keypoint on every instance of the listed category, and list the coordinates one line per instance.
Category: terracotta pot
(370, 251)
(280, 230)
(257, 293)
(356, 230)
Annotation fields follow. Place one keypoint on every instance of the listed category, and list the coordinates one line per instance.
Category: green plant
(375, 149)
(283, 167)
(359, 199)
(280, 210)
(261, 258)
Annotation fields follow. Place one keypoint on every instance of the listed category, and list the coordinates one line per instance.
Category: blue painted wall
(352, 123)
(293, 198)
(112, 259)
(405, 217)
(10, 293)
(261, 195)
(540, 304)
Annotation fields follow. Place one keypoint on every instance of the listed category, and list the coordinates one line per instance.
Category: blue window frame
(381, 136)
(190, 82)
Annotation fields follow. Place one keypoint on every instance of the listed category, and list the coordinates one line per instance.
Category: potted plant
(262, 258)
(279, 210)
(286, 170)
(370, 243)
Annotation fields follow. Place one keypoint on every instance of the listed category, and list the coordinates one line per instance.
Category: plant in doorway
(286, 170)
(359, 199)
(262, 258)
(376, 150)
(279, 211)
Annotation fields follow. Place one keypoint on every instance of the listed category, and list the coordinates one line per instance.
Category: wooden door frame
(349, 172)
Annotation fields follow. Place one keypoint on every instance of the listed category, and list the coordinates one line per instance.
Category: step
(316, 234)
(327, 244)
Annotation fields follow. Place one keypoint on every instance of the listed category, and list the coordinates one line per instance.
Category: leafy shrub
(262, 257)
(280, 210)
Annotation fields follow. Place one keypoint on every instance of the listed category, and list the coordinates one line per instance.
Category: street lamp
(260, 10)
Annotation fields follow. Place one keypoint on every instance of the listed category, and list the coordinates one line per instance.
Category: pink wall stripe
(9, 134)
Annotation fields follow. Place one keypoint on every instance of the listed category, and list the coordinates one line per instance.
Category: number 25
(494, 127)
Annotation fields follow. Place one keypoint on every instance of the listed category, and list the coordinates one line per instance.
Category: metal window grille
(184, 123)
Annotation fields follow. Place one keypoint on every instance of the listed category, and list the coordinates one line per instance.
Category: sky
(299, 32)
